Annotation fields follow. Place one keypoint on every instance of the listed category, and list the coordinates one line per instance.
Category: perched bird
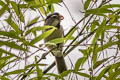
(55, 20)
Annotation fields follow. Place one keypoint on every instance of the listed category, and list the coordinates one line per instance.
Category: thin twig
(69, 12)
(42, 57)
(78, 35)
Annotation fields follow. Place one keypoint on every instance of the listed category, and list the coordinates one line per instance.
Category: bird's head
(54, 19)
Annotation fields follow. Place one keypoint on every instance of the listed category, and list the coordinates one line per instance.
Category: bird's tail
(60, 63)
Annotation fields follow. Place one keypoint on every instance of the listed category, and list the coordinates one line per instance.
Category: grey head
(54, 19)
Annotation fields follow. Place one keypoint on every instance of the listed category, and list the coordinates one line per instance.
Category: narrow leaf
(99, 31)
(4, 7)
(114, 75)
(12, 45)
(70, 34)
(83, 74)
(78, 63)
(3, 78)
(42, 36)
(107, 45)
(103, 72)
(32, 22)
(10, 34)
(111, 27)
(65, 73)
(42, 9)
(6, 57)
(87, 2)
(98, 11)
(38, 28)
(39, 71)
(54, 1)
(2, 10)
(56, 41)
(13, 25)
(111, 6)
(8, 53)
(17, 11)
(14, 72)
(33, 65)
(98, 63)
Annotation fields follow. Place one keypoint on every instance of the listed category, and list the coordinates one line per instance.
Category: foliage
(19, 41)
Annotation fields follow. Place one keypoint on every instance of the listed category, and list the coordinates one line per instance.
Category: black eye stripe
(54, 14)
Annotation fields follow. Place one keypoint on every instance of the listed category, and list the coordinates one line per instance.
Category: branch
(53, 64)
(42, 57)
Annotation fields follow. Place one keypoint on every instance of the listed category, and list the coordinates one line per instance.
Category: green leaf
(65, 73)
(94, 25)
(2, 3)
(78, 63)
(70, 34)
(94, 55)
(37, 1)
(8, 53)
(42, 9)
(13, 25)
(83, 74)
(33, 65)
(17, 11)
(56, 41)
(42, 36)
(52, 74)
(98, 63)
(3, 60)
(111, 6)
(3, 8)
(103, 72)
(2, 11)
(53, 1)
(107, 45)
(38, 28)
(111, 27)
(114, 75)
(14, 72)
(12, 45)
(85, 52)
(29, 0)
(42, 1)
(98, 11)
(3, 78)
(6, 63)
(116, 65)
(39, 71)
(32, 22)
(99, 31)
(113, 71)
(6, 57)
(87, 2)
(10, 34)
(8, 1)
(52, 8)
(23, 6)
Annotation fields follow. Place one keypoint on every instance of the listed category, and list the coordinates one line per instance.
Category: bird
(54, 19)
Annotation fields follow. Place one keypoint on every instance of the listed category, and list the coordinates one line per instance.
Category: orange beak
(61, 17)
